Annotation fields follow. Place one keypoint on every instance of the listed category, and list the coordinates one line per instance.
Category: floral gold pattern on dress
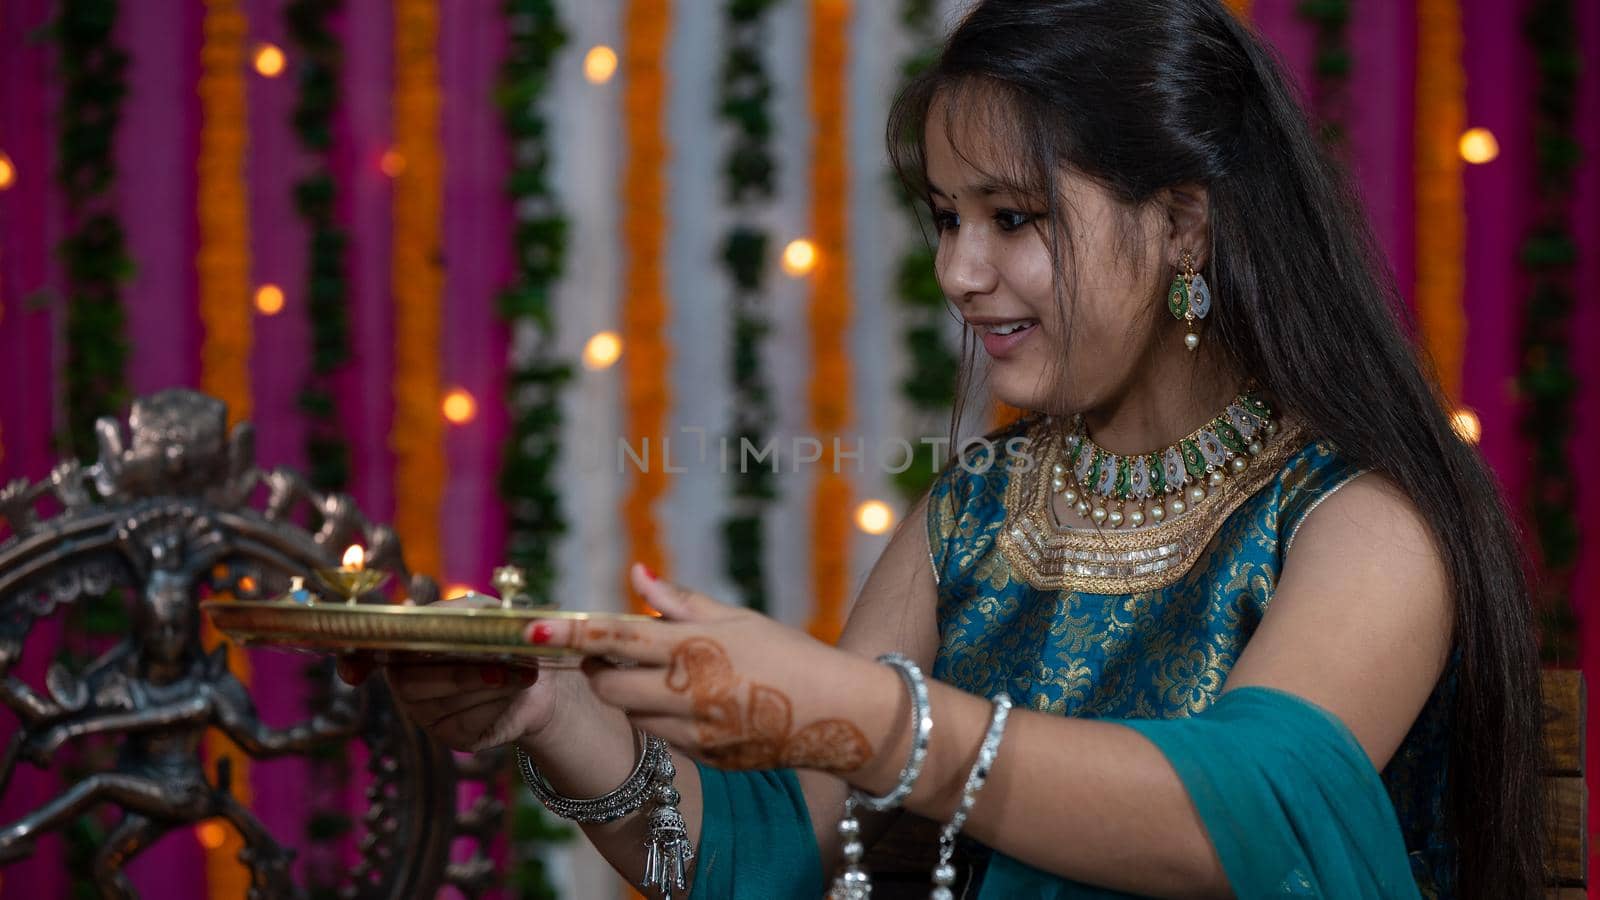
(1047, 556)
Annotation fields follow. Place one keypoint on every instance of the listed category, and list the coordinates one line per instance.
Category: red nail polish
(540, 635)
(647, 573)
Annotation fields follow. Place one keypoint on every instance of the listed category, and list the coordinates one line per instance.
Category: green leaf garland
(749, 173)
(94, 252)
(95, 258)
(1330, 67)
(929, 386)
(535, 519)
(1547, 383)
(319, 60)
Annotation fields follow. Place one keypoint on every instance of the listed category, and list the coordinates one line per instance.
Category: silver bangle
(921, 728)
(668, 850)
(944, 874)
(625, 800)
(853, 881)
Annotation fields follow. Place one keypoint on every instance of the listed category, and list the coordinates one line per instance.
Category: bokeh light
(800, 257)
(602, 351)
(460, 407)
(1466, 424)
(211, 834)
(874, 517)
(392, 163)
(1478, 146)
(269, 60)
(8, 171)
(599, 64)
(269, 299)
(455, 591)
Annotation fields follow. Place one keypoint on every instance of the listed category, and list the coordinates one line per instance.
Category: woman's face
(994, 263)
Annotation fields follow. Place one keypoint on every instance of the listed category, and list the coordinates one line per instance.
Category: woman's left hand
(733, 687)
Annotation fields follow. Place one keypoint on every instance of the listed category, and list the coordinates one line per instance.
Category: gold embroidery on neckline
(1114, 561)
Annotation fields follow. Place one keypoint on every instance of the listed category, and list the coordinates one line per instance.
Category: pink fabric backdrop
(157, 148)
(31, 223)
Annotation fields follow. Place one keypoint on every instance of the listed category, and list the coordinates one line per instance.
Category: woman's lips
(1003, 345)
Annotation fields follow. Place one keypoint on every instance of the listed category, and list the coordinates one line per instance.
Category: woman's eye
(1011, 220)
(944, 220)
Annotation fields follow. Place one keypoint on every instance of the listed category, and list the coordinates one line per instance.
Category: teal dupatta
(1289, 799)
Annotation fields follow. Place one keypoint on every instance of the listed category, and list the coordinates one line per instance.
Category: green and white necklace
(1117, 491)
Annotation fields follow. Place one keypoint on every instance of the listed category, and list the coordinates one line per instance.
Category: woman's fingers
(674, 602)
(643, 642)
(639, 691)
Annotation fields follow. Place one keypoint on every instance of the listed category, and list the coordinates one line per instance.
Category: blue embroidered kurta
(1155, 654)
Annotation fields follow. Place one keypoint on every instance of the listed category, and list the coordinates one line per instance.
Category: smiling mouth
(1008, 328)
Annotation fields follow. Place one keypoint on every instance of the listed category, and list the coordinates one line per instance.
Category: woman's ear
(1188, 211)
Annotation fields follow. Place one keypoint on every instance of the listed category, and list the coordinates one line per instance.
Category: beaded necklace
(1114, 490)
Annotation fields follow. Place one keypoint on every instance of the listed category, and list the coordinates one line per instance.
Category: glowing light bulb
(799, 258)
(599, 64)
(874, 517)
(1478, 146)
(269, 299)
(602, 351)
(460, 407)
(269, 60)
(1466, 424)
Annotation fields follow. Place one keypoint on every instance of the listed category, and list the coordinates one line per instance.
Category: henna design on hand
(758, 736)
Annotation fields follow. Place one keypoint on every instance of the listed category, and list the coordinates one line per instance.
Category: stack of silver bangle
(668, 849)
(853, 881)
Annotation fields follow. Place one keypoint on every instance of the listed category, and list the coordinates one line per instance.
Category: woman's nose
(966, 270)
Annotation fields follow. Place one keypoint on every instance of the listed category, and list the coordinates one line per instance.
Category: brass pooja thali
(484, 629)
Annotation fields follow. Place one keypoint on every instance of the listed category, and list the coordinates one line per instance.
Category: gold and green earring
(1189, 298)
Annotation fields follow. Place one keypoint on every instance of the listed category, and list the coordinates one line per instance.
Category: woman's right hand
(470, 706)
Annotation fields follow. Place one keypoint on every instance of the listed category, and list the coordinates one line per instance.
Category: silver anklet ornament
(668, 850)
(853, 882)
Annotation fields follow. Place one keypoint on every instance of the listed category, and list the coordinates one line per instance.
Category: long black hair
(1145, 95)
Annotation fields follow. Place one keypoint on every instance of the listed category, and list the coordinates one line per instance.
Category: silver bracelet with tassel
(668, 850)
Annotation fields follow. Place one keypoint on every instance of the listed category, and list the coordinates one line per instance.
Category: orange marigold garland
(223, 267)
(646, 396)
(1441, 230)
(830, 312)
(223, 261)
(417, 434)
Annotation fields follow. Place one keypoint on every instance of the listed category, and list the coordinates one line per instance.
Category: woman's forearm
(1086, 800)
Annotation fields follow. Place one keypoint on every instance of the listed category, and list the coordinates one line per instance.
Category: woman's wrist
(884, 699)
(586, 749)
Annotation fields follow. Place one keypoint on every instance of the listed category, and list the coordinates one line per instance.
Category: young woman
(1259, 610)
